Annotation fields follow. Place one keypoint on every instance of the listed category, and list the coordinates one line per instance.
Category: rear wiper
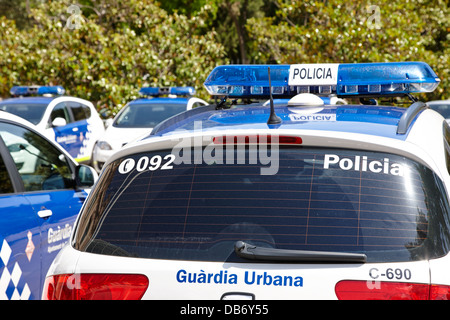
(248, 251)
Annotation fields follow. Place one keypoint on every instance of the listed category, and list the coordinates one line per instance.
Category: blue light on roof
(36, 90)
(358, 79)
(249, 81)
(159, 91)
(386, 78)
(149, 91)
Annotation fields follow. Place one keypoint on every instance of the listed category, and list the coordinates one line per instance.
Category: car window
(32, 112)
(79, 111)
(443, 109)
(40, 164)
(60, 111)
(147, 115)
(447, 144)
(5, 180)
(386, 206)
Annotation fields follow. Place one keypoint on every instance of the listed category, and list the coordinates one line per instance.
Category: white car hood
(117, 137)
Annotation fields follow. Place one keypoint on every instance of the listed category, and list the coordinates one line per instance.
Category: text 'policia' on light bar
(351, 79)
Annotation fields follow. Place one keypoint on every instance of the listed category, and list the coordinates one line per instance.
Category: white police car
(41, 192)
(72, 122)
(139, 116)
(298, 201)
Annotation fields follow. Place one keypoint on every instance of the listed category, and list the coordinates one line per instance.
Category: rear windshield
(386, 206)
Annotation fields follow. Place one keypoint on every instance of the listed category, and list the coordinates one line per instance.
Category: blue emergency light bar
(36, 90)
(160, 91)
(343, 80)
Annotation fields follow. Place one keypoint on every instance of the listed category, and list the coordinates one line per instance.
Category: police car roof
(30, 100)
(364, 80)
(177, 100)
(374, 120)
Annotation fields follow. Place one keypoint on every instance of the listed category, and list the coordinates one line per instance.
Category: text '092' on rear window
(157, 205)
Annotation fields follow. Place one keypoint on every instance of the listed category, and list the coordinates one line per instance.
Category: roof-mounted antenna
(221, 104)
(273, 118)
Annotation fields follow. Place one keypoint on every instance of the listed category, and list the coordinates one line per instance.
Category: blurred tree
(228, 18)
(109, 52)
(116, 47)
(18, 10)
(313, 31)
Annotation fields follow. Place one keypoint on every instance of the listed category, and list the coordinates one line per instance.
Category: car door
(67, 132)
(38, 216)
(19, 227)
(81, 115)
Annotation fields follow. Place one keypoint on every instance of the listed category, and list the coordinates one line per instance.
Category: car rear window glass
(386, 206)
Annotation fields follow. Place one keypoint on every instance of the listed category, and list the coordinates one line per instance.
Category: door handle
(44, 214)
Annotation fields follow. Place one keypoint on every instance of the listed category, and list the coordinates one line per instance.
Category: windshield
(443, 109)
(32, 112)
(385, 206)
(147, 115)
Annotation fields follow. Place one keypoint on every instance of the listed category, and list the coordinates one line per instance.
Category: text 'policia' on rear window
(386, 206)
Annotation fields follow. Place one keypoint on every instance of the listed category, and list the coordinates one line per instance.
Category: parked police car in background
(139, 117)
(41, 191)
(298, 201)
(72, 122)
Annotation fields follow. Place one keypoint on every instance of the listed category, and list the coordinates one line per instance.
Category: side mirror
(85, 176)
(59, 122)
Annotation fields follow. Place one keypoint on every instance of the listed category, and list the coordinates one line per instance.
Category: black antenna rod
(273, 118)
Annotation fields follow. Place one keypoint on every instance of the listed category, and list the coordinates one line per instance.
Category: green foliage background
(124, 45)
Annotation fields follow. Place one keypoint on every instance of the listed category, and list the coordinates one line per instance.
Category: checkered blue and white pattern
(9, 279)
